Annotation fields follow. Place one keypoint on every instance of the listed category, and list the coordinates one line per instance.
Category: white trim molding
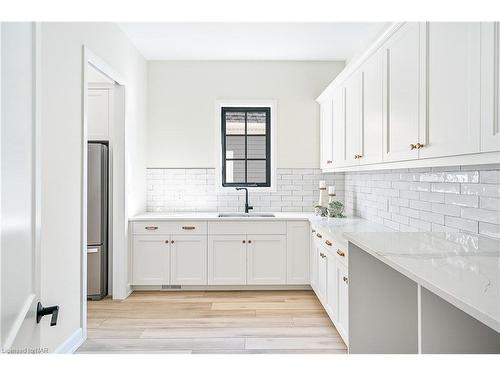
(273, 104)
(72, 343)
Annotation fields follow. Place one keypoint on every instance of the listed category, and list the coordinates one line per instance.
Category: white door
(99, 114)
(20, 189)
(453, 89)
(353, 112)
(266, 259)
(297, 251)
(188, 260)
(338, 128)
(332, 287)
(322, 275)
(227, 260)
(151, 260)
(343, 299)
(326, 133)
(490, 86)
(372, 116)
(402, 87)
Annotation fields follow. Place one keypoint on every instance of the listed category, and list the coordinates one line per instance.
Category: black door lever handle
(51, 310)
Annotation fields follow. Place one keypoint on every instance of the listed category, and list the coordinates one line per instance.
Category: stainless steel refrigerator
(97, 221)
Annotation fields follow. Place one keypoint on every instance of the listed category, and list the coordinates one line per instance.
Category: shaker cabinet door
(151, 260)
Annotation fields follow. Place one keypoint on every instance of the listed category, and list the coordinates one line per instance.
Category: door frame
(36, 178)
(90, 58)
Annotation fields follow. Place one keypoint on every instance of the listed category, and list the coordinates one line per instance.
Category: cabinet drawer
(150, 227)
(338, 251)
(170, 227)
(247, 227)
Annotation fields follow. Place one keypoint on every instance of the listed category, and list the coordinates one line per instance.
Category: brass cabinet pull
(188, 228)
(328, 243)
(345, 279)
(151, 228)
(412, 146)
(319, 235)
(419, 145)
(340, 252)
(360, 156)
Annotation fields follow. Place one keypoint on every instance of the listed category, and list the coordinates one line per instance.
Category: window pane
(256, 171)
(256, 123)
(235, 171)
(256, 147)
(235, 122)
(235, 147)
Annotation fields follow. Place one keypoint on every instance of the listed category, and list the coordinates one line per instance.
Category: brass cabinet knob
(360, 156)
(172, 241)
(249, 241)
(328, 243)
(243, 241)
(166, 241)
(345, 279)
(319, 235)
(313, 230)
(419, 145)
(328, 162)
(340, 252)
(412, 146)
(355, 156)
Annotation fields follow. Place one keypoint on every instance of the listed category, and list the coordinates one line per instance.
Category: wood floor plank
(210, 322)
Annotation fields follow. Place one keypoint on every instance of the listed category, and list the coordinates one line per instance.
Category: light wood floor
(212, 322)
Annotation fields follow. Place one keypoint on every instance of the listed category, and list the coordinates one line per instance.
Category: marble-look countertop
(211, 216)
(462, 269)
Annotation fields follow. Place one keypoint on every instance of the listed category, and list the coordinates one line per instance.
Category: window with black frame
(246, 146)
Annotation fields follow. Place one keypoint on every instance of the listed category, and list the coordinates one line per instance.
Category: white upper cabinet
(402, 85)
(353, 109)
(371, 106)
(99, 114)
(326, 157)
(453, 80)
(338, 116)
(490, 84)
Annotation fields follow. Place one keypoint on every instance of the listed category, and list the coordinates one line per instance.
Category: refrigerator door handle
(92, 250)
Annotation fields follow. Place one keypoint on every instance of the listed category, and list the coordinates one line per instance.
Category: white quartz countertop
(210, 216)
(462, 269)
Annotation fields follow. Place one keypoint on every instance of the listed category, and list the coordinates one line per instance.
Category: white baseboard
(72, 343)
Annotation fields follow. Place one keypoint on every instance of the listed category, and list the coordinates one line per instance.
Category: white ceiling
(252, 41)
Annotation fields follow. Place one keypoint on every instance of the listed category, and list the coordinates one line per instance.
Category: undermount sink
(240, 214)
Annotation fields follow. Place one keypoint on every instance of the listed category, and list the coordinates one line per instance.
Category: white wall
(181, 107)
(62, 154)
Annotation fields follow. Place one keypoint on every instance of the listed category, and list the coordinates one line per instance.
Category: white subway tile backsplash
(440, 199)
(194, 190)
(430, 199)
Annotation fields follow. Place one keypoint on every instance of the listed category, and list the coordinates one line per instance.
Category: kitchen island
(423, 293)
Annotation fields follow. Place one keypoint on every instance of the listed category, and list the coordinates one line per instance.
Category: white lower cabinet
(343, 299)
(297, 252)
(266, 259)
(322, 275)
(188, 258)
(151, 260)
(227, 260)
(329, 279)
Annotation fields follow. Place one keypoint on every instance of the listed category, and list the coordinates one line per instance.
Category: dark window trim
(246, 159)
